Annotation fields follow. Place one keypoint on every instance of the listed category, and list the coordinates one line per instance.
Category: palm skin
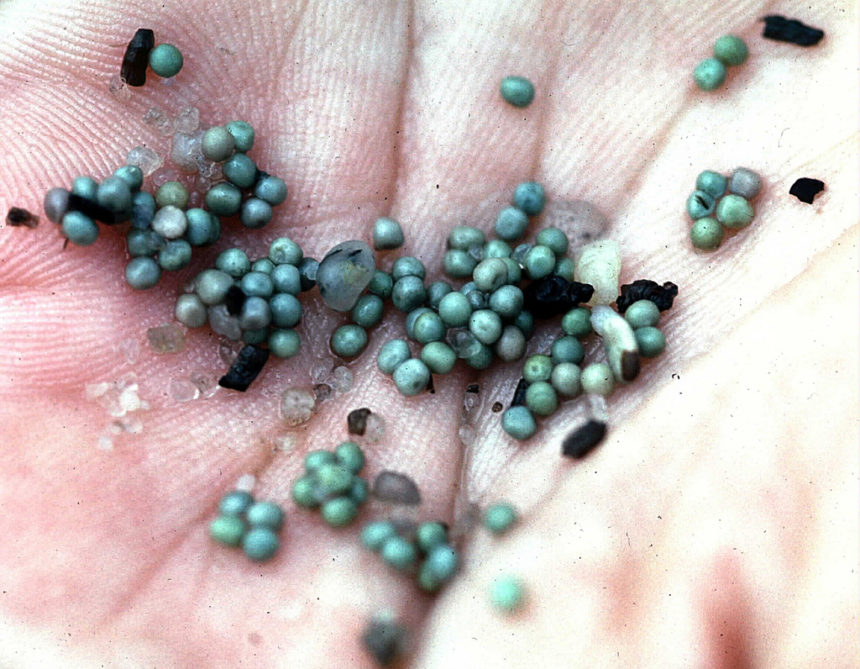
(715, 527)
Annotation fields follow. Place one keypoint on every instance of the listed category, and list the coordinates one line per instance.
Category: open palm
(715, 527)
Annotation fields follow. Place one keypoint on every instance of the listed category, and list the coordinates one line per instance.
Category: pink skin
(716, 527)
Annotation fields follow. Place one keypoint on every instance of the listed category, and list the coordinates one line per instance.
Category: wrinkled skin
(716, 526)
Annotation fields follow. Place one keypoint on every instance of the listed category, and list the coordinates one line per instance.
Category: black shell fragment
(645, 289)
(520, 393)
(805, 189)
(136, 58)
(245, 368)
(583, 439)
(782, 29)
(234, 300)
(555, 295)
(93, 209)
(17, 217)
(356, 420)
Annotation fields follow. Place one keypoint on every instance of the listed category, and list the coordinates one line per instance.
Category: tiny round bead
(709, 74)
(348, 341)
(257, 336)
(339, 511)
(381, 284)
(565, 378)
(537, 368)
(482, 358)
(597, 379)
(540, 262)
(190, 311)
(367, 312)
(731, 50)
(412, 316)
(217, 144)
(436, 291)
(255, 213)
(511, 223)
(745, 182)
(642, 313)
(706, 234)
(441, 563)
(142, 273)
(234, 262)
(428, 328)
(541, 398)
(170, 222)
(359, 491)
(240, 170)
(308, 269)
(734, 211)
(142, 210)
(408, 266)
(519, 422)
(243, 135)
(458, 264)
(507, 301)
(286, 279)
(490, 274)
(284, 343)
(172, 193)
(398, 552)
(235, 503)
(463, 237)
(391, 355)
(317, 458)
(567, 349)
(256, 284)
(115, 195)
(554, 239)
(286, 309)
(334, 478)
(387, 234)
(203, 228)
(131, 174)
(511, 345)
(713, 183)
(496, 248)
(577, 322)
(651, 341)
(350, 455)
(265, 514)
(439, 357)
(700, 204)
(227, 530)
(256, 314)
(165, 60)
(271, 189)
(506, 593)
(304, 493)
(564, 268)
(263, 265)
(56, 204)
(486, 326)
(175, 255)
(260, 543)
(526, 323)
(500, 517)
(411, 377)
(79, 228)
(86, 187)
(284, 250)
(212, 286)
(455, 310)
(408, 293)
(223, 199)
(517, 91)
(530, 197)
(376, 533)
(430, 534)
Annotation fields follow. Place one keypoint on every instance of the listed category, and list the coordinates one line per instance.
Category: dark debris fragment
(245, 368)
(18, 217)
(497, 406)
(793, 31)
(583, 439)
(520, 393)
(555, 295)
(473, 388)
(645, 289)
(136, 58)
(356, 420)
(384, 638)
(234, 300)
(805, 189)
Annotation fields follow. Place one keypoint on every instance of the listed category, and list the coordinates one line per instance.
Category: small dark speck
(473, 388)
(497, 406)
